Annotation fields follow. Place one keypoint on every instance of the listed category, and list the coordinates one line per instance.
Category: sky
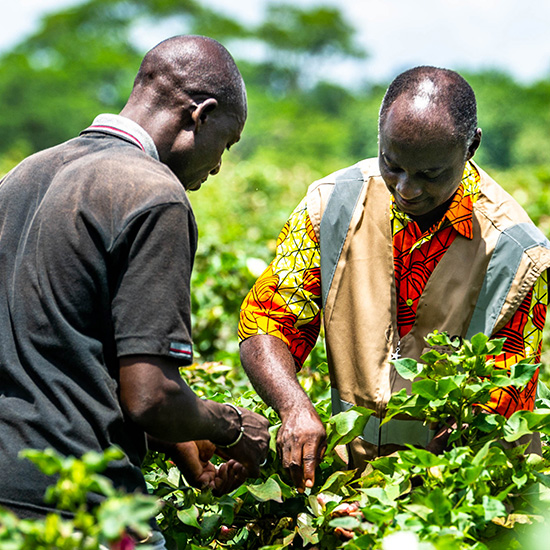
(510, 35)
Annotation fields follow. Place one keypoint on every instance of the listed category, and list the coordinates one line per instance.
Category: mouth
(405, 204)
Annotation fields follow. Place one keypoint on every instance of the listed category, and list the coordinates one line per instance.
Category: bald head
(428, 131)
(190, 98)
(186, 67)
(434, 97)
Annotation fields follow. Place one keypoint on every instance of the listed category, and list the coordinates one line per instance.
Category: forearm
(301, 439)
(154, 396)
(270, 367)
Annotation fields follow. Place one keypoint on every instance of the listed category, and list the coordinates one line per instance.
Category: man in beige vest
(390, 249)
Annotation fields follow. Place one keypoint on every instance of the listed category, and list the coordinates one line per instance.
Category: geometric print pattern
(416, 254)
(285, 301)
(523, 335)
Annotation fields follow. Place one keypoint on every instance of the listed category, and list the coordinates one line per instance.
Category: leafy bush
(484, 491)
(105, 525)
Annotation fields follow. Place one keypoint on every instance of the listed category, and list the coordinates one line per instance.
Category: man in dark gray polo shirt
(97, 239)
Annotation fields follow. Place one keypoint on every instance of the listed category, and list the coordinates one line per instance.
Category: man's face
(195, 156)
(420, 160)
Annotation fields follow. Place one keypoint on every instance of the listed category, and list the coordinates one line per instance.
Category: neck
(425, 221)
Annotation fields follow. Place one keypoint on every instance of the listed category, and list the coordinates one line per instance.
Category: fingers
(229, 476)
(313, 454)
(206, 449)
(300, 455)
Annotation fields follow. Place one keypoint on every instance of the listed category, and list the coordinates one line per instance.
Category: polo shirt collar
(126, 129)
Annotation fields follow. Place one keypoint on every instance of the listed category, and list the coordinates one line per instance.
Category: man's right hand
(301, 441)
(301, 444)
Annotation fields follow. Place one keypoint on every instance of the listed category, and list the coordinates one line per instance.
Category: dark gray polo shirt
(97, 240)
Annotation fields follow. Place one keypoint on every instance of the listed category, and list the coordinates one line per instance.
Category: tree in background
(301, 125)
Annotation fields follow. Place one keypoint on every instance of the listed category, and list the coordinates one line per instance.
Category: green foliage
(86, 529)
(482, 492)
(483, 495)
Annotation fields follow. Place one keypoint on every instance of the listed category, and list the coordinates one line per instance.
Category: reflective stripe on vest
(502, 269)
(336, 221)
(394, 432)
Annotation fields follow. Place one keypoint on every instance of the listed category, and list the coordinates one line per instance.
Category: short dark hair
(196, 66)
(452, 92)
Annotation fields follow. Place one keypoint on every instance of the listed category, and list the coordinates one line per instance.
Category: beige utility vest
(476, 287)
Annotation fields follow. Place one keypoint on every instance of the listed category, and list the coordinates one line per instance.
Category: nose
(407, 188)
(215, 170)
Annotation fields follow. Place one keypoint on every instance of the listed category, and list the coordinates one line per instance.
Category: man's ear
(202, 111)
(474, 145)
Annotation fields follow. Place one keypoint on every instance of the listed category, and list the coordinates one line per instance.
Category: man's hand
(301, 441)
(440, 441)
(192, 458)
(253, 446)
(301, 444)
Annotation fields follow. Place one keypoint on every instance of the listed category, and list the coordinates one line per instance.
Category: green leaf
(493, 508)
(516, 426)
(413, 405)
(421, 457)
(379, 514)
(336, 481)
(495, 345)
(539, 421)
(446, 386)
(440, 505)
(306, 529)
(134, 511)
(543, 391)
(347, 522)
(432, 356)
(488, 422)
(426, 388)
(210, 524)
(189, 516)
(521, 373)
(48, 461)
(481, 455)
(408, 368)
(479, 343)
(346, 426)
(543, 478)
(386, 495)
(269, 490)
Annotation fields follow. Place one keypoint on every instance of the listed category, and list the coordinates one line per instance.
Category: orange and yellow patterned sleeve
(523, 335)
(285, 300)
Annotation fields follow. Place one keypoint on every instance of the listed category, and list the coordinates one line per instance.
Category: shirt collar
(459, 213)
(126, 129)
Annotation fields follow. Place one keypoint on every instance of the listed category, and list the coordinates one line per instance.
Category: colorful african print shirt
(286, 300)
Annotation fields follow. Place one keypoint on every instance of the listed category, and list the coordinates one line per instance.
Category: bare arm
(301, 441)
(154, 396)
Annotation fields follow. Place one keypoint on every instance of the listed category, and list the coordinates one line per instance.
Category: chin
(195, 186)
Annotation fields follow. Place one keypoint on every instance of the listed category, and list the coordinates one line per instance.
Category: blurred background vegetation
(301, 126)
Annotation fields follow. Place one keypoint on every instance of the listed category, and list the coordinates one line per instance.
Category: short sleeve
(151, 264)
(285, 300)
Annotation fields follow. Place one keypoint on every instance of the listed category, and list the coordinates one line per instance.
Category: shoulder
(364, 169)
(112, 172)
(320, 191)
(497, 204)
(505, 223)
